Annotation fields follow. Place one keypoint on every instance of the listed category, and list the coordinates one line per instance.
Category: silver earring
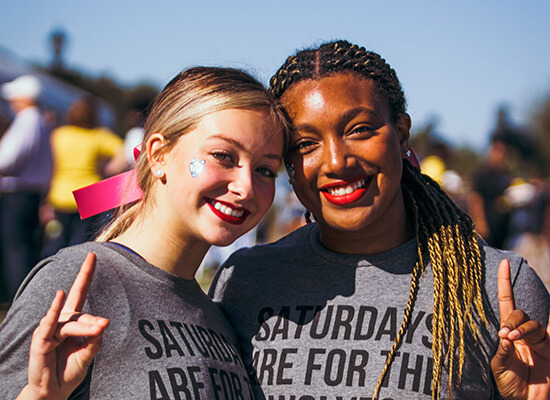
(159, 173)
(408, 153)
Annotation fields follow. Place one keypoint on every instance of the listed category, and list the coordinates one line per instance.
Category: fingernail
(515, 334)
(504, 332)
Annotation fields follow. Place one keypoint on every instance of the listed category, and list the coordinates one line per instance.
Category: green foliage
(120, 98)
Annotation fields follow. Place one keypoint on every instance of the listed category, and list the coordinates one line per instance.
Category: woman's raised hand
(65, 342)
(521, 365)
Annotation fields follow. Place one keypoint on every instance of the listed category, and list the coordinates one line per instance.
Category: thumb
(90, 345)
(503, 358)
(83, 360)
(89, 351)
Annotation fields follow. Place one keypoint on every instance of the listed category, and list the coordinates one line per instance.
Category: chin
(345, 223)
(225, 238)
(345, 227)
(222, 241)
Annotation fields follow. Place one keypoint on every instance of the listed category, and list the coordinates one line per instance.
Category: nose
(241, 183)
(335, 155)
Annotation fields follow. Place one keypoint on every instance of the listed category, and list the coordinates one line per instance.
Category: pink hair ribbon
(109, 193)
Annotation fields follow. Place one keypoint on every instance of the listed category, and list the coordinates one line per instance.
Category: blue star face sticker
(196, 167)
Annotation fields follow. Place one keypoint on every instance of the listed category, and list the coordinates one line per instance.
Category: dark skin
(347, 158)
(348, 141)
(521, 365)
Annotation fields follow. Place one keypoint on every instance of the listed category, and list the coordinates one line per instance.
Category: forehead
(334, 93)
(247, 128)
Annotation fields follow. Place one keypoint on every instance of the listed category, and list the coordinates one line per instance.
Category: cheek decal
(196, 167)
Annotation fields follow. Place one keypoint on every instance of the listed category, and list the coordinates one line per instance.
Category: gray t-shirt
(317, 325)
(166, 339)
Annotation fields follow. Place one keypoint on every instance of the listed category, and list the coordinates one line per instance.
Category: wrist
(28, 393)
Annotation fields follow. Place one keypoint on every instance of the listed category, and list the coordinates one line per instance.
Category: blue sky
(457, 61)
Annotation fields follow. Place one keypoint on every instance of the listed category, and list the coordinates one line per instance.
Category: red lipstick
(337, 192)
(217, 207)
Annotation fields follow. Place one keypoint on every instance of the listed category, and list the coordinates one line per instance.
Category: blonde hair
(187, 98)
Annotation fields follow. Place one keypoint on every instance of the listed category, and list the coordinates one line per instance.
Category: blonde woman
(213, 144)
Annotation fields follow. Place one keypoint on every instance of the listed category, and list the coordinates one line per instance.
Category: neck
(359, 243)
(163, 248)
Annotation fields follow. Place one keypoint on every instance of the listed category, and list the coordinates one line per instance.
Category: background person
(83, 153)
(25, 168)
(486, 203)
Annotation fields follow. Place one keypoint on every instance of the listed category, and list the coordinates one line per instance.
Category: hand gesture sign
(65, 342)
(521, 365)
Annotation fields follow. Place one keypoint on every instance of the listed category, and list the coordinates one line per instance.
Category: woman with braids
(390, 293)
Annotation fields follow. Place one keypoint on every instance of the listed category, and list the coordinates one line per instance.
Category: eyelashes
(223, 157)
(267, 172)
(227, 160)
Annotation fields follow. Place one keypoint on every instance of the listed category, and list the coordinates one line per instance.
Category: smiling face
(220, 177)
(347, 157)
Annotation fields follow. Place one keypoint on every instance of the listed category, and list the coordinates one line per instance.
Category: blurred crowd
(510, 206)
(44, 156)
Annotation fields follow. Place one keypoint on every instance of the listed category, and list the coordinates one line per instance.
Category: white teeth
(341, 191)
(227, 210)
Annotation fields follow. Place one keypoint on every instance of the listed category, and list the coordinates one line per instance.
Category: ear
(155, 155)
(403, 127)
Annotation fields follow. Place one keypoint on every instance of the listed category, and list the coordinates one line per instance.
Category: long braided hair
(445, 235)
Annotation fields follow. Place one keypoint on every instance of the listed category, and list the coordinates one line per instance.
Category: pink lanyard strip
(109, 193)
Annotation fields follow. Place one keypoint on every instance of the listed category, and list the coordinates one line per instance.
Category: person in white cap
(25, 168)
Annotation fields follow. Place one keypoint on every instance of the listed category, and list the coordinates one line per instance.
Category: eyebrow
(349, 114)
(240, 146)
(358, 110)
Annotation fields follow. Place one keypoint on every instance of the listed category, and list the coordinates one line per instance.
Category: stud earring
(408, 153)
(159, 173)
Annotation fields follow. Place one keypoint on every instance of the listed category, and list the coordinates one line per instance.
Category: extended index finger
(81, 285)
(505, 294)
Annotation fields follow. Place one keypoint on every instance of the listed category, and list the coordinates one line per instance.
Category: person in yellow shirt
(83, 153)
